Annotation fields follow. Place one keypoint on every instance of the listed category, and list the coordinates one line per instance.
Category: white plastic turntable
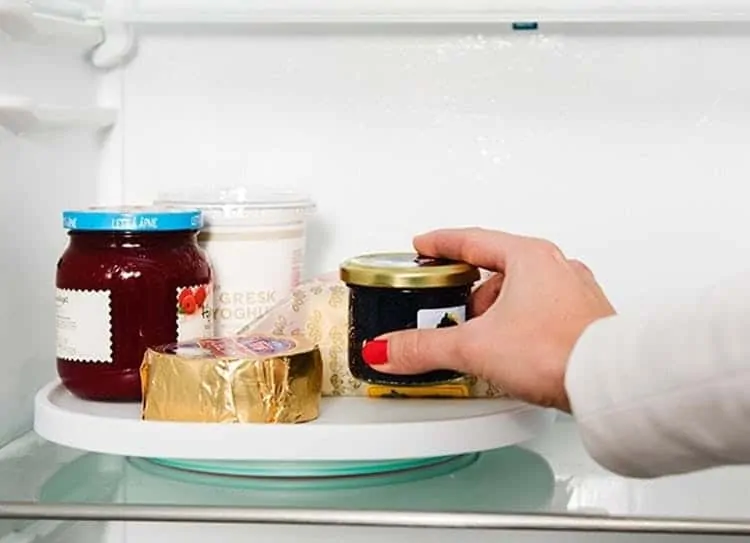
(348, 430)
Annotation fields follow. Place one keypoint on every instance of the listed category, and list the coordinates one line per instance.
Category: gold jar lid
(406, 270)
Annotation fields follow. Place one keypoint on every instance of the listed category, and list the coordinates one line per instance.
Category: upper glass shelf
(551, 475)
(442, 11)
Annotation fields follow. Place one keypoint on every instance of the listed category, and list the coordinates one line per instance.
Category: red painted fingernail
(375, 352)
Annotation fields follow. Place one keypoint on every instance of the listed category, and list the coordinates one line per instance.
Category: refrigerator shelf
(20, 20)
(349, 429)
(21, 115)
(547, 484)
(427, 11)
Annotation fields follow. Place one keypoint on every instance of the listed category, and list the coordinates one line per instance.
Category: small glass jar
(400, 291)
(130, 278)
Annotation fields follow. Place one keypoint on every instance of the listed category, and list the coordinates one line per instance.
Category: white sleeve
(667, 392)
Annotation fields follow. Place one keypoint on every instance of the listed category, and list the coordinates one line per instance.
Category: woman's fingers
(485, 295)
(411, 352)
(482, 248)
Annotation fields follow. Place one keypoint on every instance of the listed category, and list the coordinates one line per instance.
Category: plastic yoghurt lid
(232, 200)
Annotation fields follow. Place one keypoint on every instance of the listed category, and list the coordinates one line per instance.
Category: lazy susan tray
(349, 429)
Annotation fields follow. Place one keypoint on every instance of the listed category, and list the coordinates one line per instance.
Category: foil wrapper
(318, 310)
(260, 378)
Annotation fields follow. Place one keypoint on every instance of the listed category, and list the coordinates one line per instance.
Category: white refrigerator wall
(40, 172)
(625, 146)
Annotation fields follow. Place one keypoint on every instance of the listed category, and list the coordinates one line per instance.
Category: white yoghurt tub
(255, 240)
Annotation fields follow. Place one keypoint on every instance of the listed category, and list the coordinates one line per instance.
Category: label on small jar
(195, 312)
(84, 326)
(442, 317)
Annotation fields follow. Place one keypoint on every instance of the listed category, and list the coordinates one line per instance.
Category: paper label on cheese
(253, 346)
(266, 345)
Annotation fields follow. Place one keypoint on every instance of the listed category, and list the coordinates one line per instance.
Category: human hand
(527, 317)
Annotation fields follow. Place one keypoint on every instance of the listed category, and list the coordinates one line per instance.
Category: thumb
(412, 352)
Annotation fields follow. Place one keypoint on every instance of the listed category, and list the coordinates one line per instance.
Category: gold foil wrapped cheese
(260, 378)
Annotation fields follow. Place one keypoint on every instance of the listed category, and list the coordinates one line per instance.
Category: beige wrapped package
(318, 310)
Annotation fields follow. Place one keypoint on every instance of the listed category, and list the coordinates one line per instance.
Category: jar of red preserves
(130, 278)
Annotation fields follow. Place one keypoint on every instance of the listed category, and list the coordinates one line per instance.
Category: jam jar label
(442, 317)
(84, 326)
(195, 312)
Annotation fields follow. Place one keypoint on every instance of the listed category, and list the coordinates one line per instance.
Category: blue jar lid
(133, 219)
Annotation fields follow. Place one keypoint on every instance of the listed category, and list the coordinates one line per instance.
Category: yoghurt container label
(253, 272)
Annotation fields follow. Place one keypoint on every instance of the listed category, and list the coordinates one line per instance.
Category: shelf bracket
(23, 116)
(119, 45)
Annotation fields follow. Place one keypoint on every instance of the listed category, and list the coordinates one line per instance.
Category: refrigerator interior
(619, 136)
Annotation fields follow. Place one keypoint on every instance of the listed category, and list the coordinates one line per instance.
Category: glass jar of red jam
(130, 278)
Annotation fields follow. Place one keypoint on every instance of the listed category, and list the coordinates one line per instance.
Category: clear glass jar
(129, 279)
(400, 291)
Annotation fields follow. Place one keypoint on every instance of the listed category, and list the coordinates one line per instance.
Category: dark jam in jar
(400, 291)
(129, 279)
